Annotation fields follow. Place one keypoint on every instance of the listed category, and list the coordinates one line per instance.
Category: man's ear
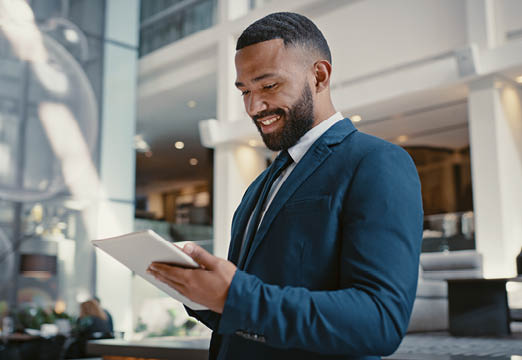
(322, 71)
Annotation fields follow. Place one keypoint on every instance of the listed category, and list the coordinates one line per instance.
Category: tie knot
(283, 160)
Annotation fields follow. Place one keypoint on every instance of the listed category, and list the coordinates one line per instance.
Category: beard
(297, 121)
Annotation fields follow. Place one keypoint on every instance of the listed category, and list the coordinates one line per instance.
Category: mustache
(266, 113)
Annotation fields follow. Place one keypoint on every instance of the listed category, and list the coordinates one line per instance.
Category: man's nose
(255, 104)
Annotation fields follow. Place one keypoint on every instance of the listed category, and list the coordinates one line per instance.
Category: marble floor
(443, 346)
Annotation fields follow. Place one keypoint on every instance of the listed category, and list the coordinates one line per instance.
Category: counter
(189, 348)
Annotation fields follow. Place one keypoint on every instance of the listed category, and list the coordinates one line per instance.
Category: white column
(115, 213)
(495, 123)
(235, 165)
(485, 23)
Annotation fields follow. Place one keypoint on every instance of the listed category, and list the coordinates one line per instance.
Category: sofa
(430, 309)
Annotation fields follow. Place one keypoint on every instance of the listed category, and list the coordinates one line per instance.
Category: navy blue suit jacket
(332, 271)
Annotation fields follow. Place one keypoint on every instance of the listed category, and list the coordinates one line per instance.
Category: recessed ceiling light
(519, 79)
(356, 118)
(179, 145)
(193, 161)
(402, 138)
(192, 104)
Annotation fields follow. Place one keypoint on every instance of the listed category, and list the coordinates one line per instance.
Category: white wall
(373, 35)
(512, 15)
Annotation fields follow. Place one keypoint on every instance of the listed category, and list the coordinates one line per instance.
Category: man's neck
(324, 115)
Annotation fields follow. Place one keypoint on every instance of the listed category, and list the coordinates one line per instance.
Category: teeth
(270, 121)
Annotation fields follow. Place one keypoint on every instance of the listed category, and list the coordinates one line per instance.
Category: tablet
(138, 250)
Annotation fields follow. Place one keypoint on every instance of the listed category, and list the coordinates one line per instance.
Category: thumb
(200, 255)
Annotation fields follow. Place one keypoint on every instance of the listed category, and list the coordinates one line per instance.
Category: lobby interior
(122, 115)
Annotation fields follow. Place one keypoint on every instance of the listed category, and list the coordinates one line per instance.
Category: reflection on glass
(8, 133)
(37, 69)
(48, 143)
(6, 260)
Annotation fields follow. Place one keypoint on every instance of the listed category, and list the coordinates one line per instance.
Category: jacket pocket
(309, 204)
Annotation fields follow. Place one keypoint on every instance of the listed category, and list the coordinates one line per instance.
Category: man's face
(276, 93)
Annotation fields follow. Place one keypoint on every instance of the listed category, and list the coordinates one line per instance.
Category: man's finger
(167, 280)
(201, 256)
(173, 272)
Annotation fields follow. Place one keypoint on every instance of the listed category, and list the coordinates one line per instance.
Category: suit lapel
(314, 157)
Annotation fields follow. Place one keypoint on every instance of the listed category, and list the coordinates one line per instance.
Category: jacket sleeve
(380, 231)
(207, 317)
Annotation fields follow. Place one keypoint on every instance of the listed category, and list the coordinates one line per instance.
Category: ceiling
(435, 118)
(167, 118)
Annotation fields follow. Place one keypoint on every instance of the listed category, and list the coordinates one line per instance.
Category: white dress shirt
(296, 153)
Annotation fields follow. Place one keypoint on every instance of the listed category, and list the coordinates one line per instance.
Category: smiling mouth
(270, 120)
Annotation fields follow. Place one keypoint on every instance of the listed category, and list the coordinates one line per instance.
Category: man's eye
(244, 92)
(270, 86)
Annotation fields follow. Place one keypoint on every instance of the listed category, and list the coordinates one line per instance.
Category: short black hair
(294, 29)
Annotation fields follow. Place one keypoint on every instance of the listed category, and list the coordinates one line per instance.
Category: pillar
(235, 165)
(115, 210)
(495, 125)
(485, 23)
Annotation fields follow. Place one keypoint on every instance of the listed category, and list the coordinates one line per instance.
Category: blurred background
(122, 115)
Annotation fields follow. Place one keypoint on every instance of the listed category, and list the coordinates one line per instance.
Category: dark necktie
(282, 161)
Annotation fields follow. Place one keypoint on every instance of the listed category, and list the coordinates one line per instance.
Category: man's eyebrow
(259, 78)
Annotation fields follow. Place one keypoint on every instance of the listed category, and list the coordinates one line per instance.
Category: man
(323, 264)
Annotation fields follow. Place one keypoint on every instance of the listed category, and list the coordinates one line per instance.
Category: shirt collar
(305, 142)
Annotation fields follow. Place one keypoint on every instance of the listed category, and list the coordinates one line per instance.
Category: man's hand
(207, 285)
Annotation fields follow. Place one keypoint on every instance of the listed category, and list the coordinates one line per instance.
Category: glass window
(187, 18)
